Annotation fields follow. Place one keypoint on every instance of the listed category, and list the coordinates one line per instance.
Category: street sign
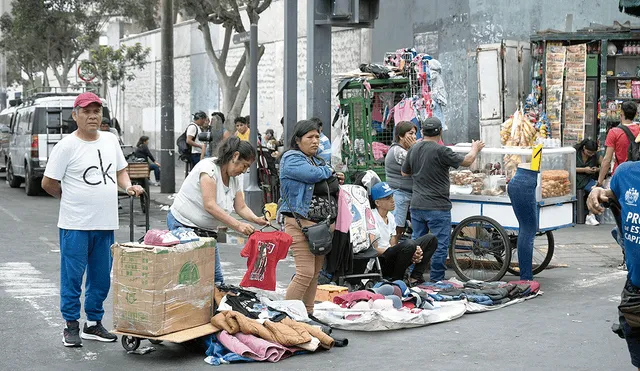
(241, 38)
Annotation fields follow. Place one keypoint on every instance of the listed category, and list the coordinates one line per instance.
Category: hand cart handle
(145, 204)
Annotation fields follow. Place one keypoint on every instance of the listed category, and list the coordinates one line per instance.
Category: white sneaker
(591, 220)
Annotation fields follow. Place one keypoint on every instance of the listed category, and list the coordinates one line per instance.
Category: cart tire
(497, 253)
(551, 243)
(155, 342)
(130, 343)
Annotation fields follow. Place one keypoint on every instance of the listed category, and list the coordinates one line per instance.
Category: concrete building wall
(452, 30)
(195, 82)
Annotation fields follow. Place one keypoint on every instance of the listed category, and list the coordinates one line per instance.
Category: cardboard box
(160, 290)
(328, 292)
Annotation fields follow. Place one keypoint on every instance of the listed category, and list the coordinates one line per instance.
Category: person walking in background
(195, 128)
(617, 141)
(324, 150)
(142, 151)
(428, 163)
(242, 128)
(218, 134)
(84, 171)
(588, 162)
(405, 138)
(105, 125)
(300, 171)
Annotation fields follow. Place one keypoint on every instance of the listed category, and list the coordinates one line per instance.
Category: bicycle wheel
(543, 247)
(480, 249)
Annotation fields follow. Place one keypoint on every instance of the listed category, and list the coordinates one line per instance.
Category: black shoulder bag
(319, 235)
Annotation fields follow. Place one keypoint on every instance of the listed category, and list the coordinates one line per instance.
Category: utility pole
(290, 68)
(253, 193)
(167, 154)
(319, 64)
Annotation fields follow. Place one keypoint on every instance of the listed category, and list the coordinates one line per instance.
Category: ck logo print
(96, 175)
(631, 197)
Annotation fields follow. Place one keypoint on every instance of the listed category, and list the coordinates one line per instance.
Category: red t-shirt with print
(264, 250)
(618, 140)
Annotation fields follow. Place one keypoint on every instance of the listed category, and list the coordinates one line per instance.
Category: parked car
(40, 122)
(6, 116)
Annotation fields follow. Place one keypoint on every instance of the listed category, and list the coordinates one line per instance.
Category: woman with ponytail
(588, 162)
(212, 191)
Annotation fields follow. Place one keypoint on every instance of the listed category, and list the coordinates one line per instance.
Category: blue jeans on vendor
(438, 222)
(592, 183)
(80, 251)
(522, 192)
(173, 223)
(402, 200)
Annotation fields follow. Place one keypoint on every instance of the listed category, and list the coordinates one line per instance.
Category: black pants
(396, 259)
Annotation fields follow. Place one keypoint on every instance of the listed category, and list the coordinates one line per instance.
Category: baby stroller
(366, 270)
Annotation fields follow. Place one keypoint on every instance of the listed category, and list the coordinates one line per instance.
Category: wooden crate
(138, 170)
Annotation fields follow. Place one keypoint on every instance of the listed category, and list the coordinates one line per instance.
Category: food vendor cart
(483, 242)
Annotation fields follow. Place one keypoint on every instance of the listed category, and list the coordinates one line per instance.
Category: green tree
(112, 66)
(227, 13)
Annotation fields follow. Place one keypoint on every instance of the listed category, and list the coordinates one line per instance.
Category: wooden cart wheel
(130, 343)
(155, 342)
(543, 248)
(480, 249)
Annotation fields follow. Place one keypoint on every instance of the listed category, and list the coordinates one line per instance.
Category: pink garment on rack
(344, 219)
(379, 150)
(377, 109)
(253, 347)
(403, 111)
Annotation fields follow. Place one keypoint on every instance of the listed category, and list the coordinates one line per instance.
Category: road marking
(54, 246)
(600, 279)
(11, 215)
(23, 282)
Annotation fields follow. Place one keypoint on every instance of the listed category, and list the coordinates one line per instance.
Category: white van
(6, 117)
(39, 123)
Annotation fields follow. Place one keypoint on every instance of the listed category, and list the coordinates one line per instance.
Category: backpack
(184, 149)
(633, 153)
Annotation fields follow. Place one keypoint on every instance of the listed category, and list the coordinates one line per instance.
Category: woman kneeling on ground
(304, 182)
(395, 257)
(212, 191)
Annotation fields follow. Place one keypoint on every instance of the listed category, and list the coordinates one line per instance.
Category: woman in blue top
(300, 171)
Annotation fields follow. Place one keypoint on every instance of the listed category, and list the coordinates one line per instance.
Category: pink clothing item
(534, 285)
(348, 300)
(378, 108)
(343, 222)
(403, 111)
(379, 150)
(156, 237)
(253, 347)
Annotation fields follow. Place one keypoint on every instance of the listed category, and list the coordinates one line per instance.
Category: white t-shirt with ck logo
(87, 173)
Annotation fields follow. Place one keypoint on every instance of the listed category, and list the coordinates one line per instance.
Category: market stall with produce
(484, 239)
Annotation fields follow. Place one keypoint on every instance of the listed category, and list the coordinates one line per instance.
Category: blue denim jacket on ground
(298, 176)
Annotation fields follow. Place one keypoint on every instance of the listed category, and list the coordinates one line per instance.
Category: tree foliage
(227, 13)
(112, 66)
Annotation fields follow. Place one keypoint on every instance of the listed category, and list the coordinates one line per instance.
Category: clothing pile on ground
(259, 329)
(393, 305)
(482, 296)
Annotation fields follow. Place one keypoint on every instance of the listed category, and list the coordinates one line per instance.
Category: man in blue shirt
(623, 189)
(324, 149)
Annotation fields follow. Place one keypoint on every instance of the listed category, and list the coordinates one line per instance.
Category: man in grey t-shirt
(428, 164)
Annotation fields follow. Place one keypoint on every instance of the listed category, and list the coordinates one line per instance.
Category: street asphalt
(566, 328)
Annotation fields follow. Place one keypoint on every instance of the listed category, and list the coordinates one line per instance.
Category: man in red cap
(84, 172)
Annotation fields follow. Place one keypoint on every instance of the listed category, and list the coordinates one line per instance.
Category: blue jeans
(522, 192)
(402, 200)
(438, 222)
(195, 158)
(173, 223)
(80, 251)
(156, 170)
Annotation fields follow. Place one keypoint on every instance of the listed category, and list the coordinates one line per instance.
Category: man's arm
(52, 187)
(469, 159)
(192, 143)
(597, 197)
(124, 182)
(606, 165)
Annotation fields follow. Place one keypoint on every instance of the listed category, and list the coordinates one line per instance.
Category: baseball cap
(86, 99)
(381, 190)
(432, 126)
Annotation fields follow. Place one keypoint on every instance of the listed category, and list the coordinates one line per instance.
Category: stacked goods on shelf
(555, 183)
